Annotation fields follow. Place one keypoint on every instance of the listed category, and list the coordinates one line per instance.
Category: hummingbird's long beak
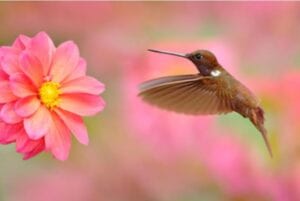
(169, 53)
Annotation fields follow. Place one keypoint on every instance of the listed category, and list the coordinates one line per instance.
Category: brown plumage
(212, 91)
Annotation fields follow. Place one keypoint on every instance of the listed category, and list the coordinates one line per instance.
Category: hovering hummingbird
(212, 91)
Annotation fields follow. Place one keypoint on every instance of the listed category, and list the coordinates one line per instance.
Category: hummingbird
(211, 91)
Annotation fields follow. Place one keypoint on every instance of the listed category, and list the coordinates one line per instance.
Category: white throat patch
(215, 73)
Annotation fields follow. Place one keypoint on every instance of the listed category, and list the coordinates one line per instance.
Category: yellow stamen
(49, 94)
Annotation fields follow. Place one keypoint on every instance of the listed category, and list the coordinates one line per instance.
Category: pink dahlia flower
(44, 93)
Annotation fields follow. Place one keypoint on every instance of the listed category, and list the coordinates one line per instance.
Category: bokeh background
(140, 153)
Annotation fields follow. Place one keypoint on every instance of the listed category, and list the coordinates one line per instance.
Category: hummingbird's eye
(198, 56)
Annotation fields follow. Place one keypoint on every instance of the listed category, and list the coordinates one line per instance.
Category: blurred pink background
(140, 153)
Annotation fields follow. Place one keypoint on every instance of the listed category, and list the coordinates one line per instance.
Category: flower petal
(28, 147)
(25, 107)
(8, 114)
(7, 50)
(79, 71)
(36, 147)
(75, 124)
(81, 104)
(21, 42)
(10, 64)
(9, 132)
(65, 60)
(84, 84)
(6, 93)
(38, 125)
(21, 86)
(9, 59)
(43, 49)
(32, 68)
(3, 75)
(58, 139)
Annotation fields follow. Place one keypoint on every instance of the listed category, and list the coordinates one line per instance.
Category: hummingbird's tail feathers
(257, 118)
(260, 115)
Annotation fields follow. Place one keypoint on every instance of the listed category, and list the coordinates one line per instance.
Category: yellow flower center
(49, 94)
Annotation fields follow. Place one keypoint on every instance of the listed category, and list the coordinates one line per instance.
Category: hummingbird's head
(205, 61)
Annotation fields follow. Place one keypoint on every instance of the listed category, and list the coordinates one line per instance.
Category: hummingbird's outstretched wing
(189, 94)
